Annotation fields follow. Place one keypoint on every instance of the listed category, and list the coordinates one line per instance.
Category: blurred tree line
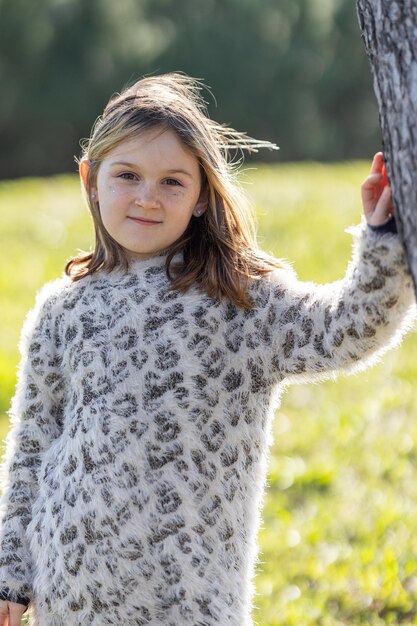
(291, 71)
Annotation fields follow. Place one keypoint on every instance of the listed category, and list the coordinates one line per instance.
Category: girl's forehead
(159, 143)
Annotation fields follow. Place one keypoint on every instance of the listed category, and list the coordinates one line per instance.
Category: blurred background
(337, 542)
(291, 71)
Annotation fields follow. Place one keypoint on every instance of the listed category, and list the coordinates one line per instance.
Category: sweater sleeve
(316, 331)
(35, 421)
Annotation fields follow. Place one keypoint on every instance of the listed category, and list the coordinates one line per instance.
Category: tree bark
(389, 32)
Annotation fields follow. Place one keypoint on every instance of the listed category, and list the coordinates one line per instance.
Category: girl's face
(147, 189)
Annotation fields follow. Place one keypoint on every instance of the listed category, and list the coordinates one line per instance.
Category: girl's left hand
(376, 194)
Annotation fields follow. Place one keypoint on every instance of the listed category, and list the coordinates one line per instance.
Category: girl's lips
(142, 221)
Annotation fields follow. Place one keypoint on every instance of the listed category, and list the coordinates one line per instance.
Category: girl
(136, 461)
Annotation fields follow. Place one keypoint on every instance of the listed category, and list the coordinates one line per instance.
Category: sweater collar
(155, 260)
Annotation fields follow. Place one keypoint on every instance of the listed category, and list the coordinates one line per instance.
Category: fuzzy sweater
(136, 462)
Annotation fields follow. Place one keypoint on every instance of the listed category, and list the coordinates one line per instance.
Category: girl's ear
(84, 169)
(202, 203)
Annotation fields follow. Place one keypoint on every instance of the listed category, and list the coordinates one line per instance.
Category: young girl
(136, 461)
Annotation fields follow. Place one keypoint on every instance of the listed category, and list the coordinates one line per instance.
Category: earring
(198, 212)
(93, 196)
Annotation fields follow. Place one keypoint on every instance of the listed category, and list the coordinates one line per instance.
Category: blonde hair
(220, 250)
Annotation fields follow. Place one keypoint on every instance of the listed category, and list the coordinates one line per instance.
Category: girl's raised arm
(315, 331)
(35, 415)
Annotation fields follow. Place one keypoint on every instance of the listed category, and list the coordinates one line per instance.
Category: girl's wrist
(390, 226)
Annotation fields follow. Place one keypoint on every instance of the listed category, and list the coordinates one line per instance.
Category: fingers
(372, 182)
(14, 617)
(384, 209)
(376, 200)
(371, 190)
(376, 192)
(377, 163)
(384, 181)
(377, 179)
(4, 611)
(385, 206)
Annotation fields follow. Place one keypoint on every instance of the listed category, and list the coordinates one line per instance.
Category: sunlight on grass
(337, 540)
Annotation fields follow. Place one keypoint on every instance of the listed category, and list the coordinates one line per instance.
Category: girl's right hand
(11, 613)
(376, 194)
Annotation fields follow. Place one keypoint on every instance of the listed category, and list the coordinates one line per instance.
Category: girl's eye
(127, 176)
(173, 182)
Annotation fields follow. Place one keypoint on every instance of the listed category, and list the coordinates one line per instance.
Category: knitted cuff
(390, 226)
(6, 595)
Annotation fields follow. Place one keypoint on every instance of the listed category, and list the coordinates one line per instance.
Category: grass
(337, 542)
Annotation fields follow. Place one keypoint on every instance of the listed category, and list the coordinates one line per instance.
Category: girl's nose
(147, 196)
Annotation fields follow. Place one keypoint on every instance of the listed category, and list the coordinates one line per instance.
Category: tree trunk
(389, 31)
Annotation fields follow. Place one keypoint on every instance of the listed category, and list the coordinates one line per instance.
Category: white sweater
(135, 466)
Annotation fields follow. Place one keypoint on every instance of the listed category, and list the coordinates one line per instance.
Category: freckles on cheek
(176, 193)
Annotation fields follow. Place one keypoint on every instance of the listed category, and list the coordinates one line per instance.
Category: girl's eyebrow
(179, 171)
(132, 165)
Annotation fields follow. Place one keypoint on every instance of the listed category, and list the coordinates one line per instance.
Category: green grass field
(338, 543)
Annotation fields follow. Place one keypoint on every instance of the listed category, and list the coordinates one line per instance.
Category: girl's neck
(158, 258)
(132, 258)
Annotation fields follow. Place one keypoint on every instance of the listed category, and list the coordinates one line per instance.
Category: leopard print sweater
(136, 462)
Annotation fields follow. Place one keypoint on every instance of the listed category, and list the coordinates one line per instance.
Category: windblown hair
(220, 251)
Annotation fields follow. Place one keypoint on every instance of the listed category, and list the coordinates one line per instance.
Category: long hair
(220, 251)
